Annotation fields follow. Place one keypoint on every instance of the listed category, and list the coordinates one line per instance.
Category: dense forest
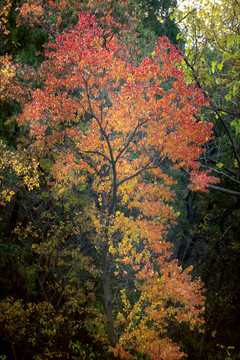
(119, 179)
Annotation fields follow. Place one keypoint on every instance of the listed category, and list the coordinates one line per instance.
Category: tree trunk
(106, 277)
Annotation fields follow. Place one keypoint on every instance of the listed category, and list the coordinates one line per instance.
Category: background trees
(211, 59)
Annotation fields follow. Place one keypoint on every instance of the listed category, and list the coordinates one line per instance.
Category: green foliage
(17, 276)
(158, 18)
(207, 237)
(66, 308)
(35, 331)
(211, 59)
(210, 237)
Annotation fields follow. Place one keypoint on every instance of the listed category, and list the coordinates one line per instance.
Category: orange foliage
(4, 11)
(104, 117)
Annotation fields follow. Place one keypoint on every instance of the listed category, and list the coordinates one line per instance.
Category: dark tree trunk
(106, 280)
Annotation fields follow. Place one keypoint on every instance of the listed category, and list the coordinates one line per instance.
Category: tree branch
(223, 190)
(147, 167)
(222, 173)
(214, 108)
(129, 140)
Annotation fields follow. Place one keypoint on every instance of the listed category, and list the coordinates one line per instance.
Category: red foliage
(104, 116)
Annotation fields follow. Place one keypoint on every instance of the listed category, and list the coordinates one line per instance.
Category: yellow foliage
(6, 73)
(20, 164)
(4, 11)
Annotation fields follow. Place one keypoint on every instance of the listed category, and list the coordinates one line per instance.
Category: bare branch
(223, 190)
(130, 139)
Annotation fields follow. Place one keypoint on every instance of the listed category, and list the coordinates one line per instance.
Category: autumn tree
(107, 124)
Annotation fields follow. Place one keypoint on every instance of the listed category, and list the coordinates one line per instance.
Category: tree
(104, 124)
(212, 61)
(210, 239)
(157, 18)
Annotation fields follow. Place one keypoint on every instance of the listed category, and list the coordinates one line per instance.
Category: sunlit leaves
(6, 73)
(17, 169)
(213, 25)
(211, 59)
(104, 124)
